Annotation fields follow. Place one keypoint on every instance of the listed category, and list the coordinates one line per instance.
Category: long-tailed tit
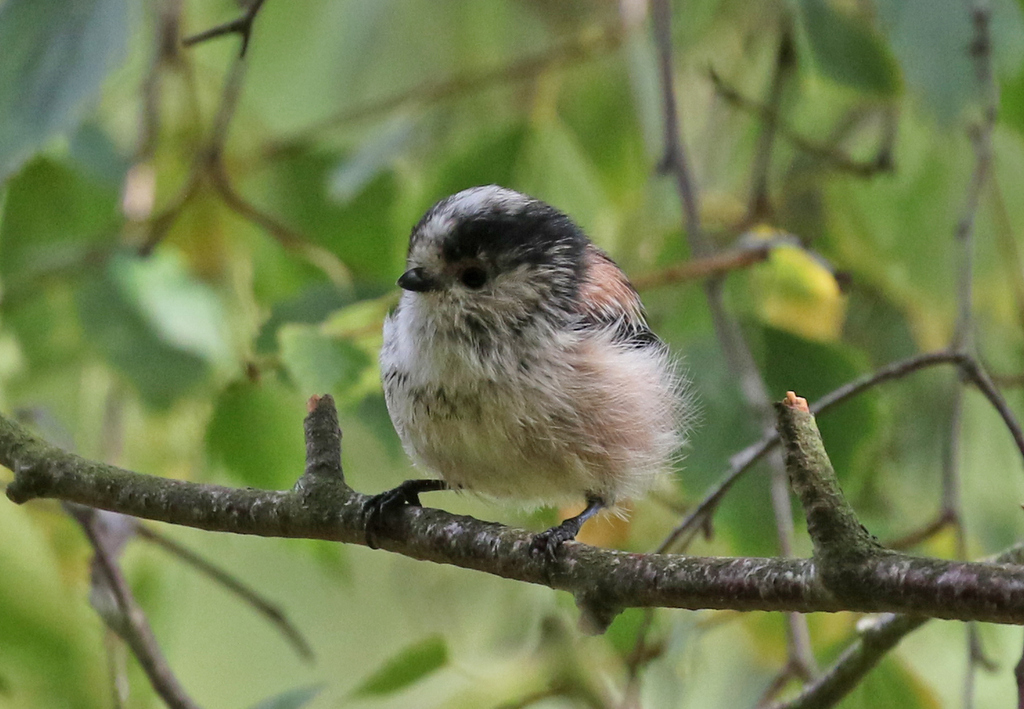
(518, 364)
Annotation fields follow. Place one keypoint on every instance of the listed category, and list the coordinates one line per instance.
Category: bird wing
(608, 299)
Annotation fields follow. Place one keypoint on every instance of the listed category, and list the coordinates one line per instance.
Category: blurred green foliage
(354, 116)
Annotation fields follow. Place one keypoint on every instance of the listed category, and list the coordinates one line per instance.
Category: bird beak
(417, 280)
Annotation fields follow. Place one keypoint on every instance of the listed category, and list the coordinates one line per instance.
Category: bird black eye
(473, 277)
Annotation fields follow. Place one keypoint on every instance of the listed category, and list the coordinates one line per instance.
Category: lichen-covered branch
(864, 653)
(327, 509)
(837, 534)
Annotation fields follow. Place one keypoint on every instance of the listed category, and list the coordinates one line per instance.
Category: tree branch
(129, 620)
(328, 509)
(739, 358)
(712, 266)
(837, 534)
(745, 459)
(268, 610)
(866, 652)
(241, 26)
(833, 157)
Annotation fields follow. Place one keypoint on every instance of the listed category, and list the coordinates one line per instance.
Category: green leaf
(319, 363)
(56, 54)
(186, 312)
(292, 699)
(256, 433)
(408, 667)
(553, 167)
(932, 39)
(487, 158)
(848, 50)
(813, 369)
(357, 229)
(114, 324)
(53, 218)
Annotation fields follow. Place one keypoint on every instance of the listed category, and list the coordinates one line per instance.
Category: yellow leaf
(794, 291)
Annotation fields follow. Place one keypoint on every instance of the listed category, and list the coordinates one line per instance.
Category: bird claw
(376, 509)
(549, 543)
(379, 506)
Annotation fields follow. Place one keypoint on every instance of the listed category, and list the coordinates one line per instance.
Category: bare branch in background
(241, 26)
(712, 266)
(250, 596)
(831, 156)
(127, 619)
(871, 645)
(759, 205)
(208, 168)
(875, 638)
(963, 334)
(578, 49)
(742, 461)
(1008, 381)
(734, 346)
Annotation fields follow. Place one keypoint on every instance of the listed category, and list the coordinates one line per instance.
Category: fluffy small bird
(518, 364)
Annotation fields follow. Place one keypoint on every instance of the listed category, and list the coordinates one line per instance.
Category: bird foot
(550, 542)
(377, 508)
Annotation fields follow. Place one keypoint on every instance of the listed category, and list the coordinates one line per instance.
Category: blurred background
(191, 245)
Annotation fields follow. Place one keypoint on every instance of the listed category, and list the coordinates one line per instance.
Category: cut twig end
(323, 440)
(796, 402)
(313, 402)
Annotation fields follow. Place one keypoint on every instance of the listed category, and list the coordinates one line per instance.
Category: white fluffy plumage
(518, 364)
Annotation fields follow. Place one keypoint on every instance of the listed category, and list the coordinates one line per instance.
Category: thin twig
(576, 50)
(132, 625)
(734, 346)
(269, 610)
(742, 461)
(846, 673)
(881, 163)
(867, 650)
(759, 204)
(775, 687)
(980, 378)
(675, 162)
(241, 26)
(317, 255)
(1008, 381)
(158, 226)
(709, 267)
(963, 335)
(216, 173)
(208, 165)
